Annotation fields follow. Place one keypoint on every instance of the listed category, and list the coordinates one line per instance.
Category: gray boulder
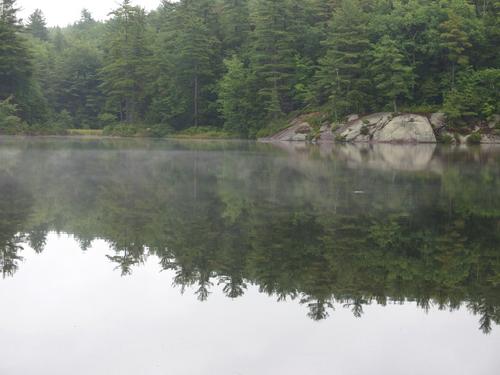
(406, 129)
(494, 121)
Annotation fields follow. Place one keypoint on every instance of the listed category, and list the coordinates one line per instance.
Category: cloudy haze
(62, 13)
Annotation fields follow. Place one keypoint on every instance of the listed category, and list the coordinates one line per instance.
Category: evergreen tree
(236, 97)
(455, 42)
(341, 76)
(15, 59)
(188, 57)
(235, 25)
(16, 67)
(37, 25)
(123, 73)
(77, 83)
(86, 17)
(272, 55)
(393, 79)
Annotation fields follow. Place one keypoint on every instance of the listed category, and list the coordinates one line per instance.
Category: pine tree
(123, 74)
(188, 56)
(273, 54)
(393, 79)
(37, 26)
(15, 59)
(455, 41)
(236, 97)
(341, 77)
(235, 25)
(77, 83)
(86, 17)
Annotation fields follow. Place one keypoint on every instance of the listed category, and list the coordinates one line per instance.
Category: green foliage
(476, 95)
(37, 26)
(158, 131)
(474, 138)
(9, 122)
(272, 127)
(341, 77)
(393, 79)
(85, 132)
(455, 41)
(123, 74)
(447, 139)
(204, 132)
(340, 138)
(15, 58)
(240, 64)
(107, 119)
(364, 130)
(121, 130)
(273, 55)
(64, 120)
(237, 98)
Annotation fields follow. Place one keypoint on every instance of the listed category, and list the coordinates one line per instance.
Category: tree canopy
(241, 64)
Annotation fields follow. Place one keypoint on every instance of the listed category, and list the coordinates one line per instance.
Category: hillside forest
(242, 66)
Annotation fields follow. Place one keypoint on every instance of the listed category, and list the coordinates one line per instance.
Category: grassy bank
(85, 132)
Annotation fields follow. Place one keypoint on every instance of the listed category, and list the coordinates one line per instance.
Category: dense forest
(239, 65)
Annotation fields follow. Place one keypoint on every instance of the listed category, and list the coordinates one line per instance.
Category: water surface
(155, 257)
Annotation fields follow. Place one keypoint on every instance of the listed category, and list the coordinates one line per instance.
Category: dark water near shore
(156, 257)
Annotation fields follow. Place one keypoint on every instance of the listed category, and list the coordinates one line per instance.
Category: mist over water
(236, 257)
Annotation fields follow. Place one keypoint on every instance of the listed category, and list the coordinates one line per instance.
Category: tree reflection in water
(239, 214)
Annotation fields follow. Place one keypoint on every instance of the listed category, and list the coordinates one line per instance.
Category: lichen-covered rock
(406, 129)
(352, 117)
(494, 121)
(297, 132)
(325, 134)
(490, 138)
(298, 137)
(362, 130)
(303, 128)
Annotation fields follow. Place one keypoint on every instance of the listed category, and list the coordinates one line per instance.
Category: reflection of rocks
(490, 138)
(385, 156)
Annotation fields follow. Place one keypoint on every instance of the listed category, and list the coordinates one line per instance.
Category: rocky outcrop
(297, 131)
(438, 121)
(383, 127)
(490, 138)
(406, 129)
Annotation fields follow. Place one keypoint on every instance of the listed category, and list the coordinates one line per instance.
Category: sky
(64, 12)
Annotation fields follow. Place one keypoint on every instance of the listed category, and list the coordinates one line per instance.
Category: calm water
(163, 257)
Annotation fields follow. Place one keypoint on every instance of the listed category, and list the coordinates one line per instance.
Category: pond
(224, 257)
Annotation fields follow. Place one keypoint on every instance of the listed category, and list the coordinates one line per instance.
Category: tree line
(239, 65)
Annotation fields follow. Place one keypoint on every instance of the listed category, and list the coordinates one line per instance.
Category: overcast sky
(64, 12)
